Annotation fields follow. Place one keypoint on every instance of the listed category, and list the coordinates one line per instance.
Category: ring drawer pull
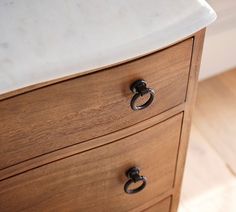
(139, 88)
(134, 176)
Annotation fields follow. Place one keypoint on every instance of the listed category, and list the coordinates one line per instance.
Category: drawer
(76, 110)
(162, 206)
(94, 180)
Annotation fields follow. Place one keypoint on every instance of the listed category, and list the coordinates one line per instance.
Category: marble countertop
(49, 39)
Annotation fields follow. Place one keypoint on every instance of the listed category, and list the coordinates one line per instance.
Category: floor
(210, 176)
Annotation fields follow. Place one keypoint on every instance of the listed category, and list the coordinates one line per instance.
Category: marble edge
(151, 43)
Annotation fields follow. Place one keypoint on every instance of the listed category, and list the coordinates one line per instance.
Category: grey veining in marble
(48, 39)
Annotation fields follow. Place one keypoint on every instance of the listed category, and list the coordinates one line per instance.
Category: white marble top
(48, 39)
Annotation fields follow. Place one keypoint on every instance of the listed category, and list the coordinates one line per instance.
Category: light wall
(219, 52)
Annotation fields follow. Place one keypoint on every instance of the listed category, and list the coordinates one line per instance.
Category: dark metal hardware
(139, 88)
(134, 176)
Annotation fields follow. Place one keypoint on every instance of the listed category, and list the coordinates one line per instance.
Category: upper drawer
(94, 180)
(79, 109)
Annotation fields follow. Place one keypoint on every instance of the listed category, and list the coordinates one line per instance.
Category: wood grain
(163, 206)
(93, 180)
(80, 109)
(46, 163)
(96, 142)
(154, 201)
(190, 102)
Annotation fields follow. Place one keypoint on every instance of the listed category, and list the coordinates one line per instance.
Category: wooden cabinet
(67, 146)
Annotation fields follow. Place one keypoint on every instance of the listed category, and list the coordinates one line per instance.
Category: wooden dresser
(111, 140)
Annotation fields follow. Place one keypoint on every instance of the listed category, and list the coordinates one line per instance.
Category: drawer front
(86, 107)
(162, 206)
(94, 180)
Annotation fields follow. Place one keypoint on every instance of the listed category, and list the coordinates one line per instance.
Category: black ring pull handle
(139, 88)
(134, 176)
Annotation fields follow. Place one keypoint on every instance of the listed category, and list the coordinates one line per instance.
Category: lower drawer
(162, 206)
(94, 180)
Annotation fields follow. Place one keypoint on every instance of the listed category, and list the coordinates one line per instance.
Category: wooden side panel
(94, 180)
(190, 102)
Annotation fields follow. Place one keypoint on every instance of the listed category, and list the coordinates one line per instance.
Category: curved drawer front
(90, 106)
(162, 206)
(94, 180)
